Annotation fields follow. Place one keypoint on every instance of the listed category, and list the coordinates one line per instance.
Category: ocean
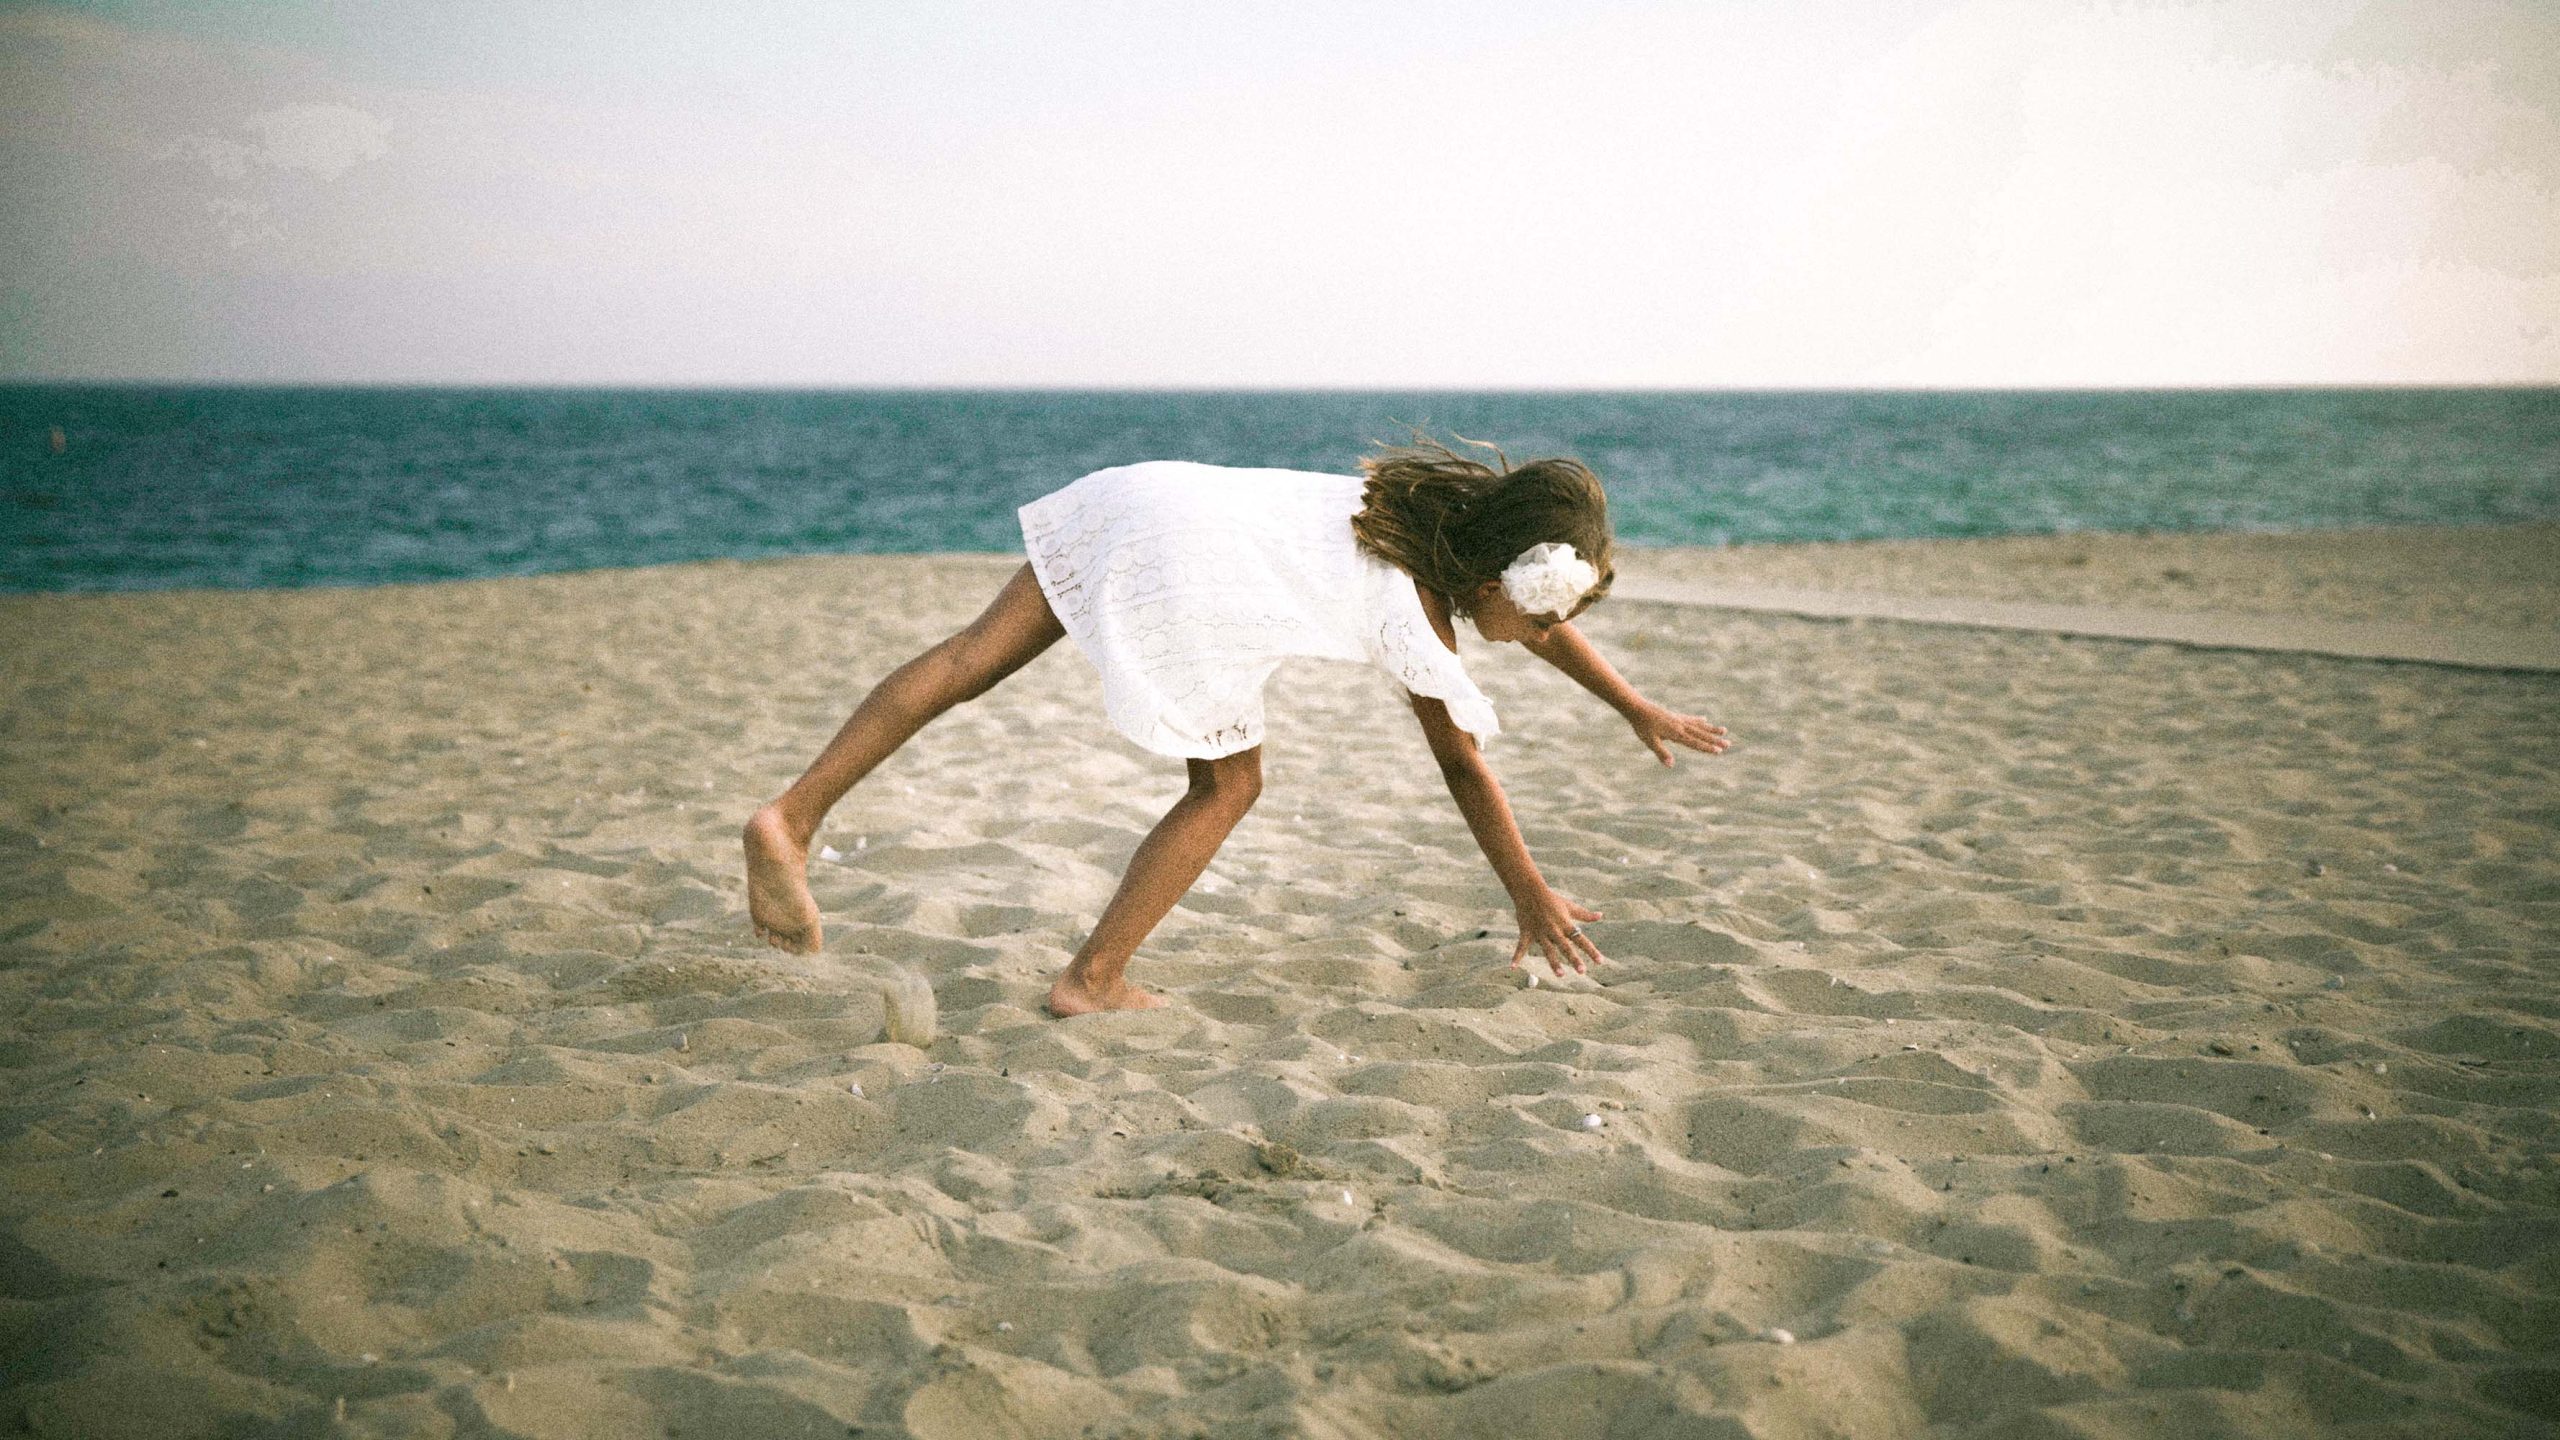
(136, 487)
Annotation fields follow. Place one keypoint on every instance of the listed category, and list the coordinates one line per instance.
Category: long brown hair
(1453, 523)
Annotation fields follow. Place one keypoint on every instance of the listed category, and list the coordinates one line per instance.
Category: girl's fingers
(1580, 947)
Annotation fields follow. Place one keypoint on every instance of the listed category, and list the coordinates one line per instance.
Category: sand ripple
(2013, 1036)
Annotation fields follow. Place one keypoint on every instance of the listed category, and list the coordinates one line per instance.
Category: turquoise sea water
(157, 487)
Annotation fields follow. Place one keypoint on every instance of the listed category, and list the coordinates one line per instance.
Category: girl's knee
(1232, 782)
(960, 669)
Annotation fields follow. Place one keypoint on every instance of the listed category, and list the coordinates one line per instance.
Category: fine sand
(2015, 1035)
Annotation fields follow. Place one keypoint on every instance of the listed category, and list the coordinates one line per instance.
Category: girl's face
(1497, 619)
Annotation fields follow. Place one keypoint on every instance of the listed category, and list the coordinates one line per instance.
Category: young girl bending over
(1187, 585)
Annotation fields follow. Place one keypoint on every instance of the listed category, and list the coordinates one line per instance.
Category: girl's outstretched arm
(1548, 920)
(1570, 651)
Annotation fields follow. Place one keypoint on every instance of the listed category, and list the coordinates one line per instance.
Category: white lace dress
(1186, 585)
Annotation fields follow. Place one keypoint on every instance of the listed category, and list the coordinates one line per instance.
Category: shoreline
(2514, 558)
(2030, 1031)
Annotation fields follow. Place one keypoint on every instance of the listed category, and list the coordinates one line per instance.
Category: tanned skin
(1019, 625)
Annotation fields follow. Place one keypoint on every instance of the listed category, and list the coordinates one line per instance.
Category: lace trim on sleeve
(1404, 645)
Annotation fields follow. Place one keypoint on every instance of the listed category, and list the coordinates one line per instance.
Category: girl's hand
(1552, 923)
(1661, 729)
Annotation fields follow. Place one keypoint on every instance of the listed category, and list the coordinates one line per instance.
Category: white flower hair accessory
(1548, 579)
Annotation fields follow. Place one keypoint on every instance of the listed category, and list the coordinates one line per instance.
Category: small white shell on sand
(1347, 1200)
(829, 853)
(1592, 1122)
(1776, 1336)
(1533, 979)
(861, 842)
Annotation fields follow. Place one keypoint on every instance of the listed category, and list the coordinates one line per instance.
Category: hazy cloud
(323, 140)
(1841, 192)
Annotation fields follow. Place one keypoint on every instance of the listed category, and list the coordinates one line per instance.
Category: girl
(1186, 585)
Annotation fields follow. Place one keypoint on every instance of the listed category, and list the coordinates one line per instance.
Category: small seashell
(829, 852)
(1346, 1198)
(1533, 979)
(854, 1087)
(1592, 1122)
(2387, 865)
(861, 842)
(2381, 1069)
(684, 1040)
(1004, 1327)
(1776, 1336)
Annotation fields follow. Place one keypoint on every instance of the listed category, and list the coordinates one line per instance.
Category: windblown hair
(1453, 523)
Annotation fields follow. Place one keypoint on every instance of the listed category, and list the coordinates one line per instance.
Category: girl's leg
(1168, 861)
(1014, 629)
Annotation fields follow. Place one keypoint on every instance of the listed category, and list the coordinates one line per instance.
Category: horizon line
(892, 388)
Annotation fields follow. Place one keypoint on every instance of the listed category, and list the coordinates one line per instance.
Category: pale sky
(1475, 193)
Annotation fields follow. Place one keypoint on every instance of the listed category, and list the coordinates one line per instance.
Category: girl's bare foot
(1072, 996)
(778, 898)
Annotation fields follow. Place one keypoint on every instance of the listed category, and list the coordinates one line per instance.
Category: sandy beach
(2016, 1035)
